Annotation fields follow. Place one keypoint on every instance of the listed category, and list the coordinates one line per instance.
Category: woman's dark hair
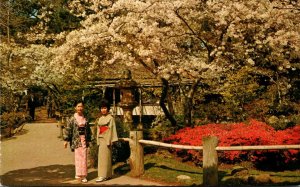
(105, 103)
(76, 102)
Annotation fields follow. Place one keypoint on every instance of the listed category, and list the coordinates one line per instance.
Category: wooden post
(136, 159)
(210, 161)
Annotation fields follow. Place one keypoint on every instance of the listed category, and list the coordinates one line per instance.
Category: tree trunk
(188, 104)
(170, 105)
(7, 27)
(163, 97)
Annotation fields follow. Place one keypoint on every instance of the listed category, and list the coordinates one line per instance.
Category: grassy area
(165, 168)
(262, 178)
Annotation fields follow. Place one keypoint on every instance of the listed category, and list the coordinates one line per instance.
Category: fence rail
(209, 148)
(257, 147)
(220, 148)
(150, 142)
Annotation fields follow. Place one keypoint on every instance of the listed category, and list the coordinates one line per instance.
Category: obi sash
(81, 130)
(102, 129)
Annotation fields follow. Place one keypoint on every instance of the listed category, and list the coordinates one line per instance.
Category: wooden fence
(209, 148)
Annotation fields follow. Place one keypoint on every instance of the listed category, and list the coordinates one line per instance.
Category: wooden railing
(209, 148)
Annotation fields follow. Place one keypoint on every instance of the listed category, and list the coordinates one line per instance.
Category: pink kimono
(81, 152)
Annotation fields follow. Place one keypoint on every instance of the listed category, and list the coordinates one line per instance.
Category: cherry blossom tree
(149, 34)
(262, 43)
(27, 66)
(203, 41)
(186, 39)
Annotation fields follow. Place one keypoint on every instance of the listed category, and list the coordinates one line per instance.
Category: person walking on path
(106, 135)
(78, 134)
(50, 106)
(31, 104)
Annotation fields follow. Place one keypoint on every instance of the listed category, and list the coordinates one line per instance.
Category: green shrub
(160, 128)
(283, 122)
(13, 120)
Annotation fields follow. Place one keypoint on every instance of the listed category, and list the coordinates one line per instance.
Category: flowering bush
(241, 134)
(12, 120)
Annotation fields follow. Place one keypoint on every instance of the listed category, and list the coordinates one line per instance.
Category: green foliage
(18, 15)
(12, 120)
(62, 20)
(160, 128)
(12, 101)
(120, 151)
(283, 122)
(249, 92)
(93, 154)
(6, 100)
(295, 90)
(66, 98)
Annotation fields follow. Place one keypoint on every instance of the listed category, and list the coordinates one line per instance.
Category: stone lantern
(127, 88)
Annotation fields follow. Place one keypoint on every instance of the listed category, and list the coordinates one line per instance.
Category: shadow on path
(63, 175)
(39, 176)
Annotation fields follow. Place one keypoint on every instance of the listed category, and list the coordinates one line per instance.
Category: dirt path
(36, 157)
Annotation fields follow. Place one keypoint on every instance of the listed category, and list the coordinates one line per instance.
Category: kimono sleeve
(114, 135)
(67, 131)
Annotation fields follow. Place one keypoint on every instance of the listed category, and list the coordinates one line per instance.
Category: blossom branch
(207, 46)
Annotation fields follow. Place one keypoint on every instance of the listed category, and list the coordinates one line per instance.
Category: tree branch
(285, 8)
(164, 94)
(207, 46)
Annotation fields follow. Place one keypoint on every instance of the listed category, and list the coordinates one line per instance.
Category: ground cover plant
(165, 168)
(237, 134)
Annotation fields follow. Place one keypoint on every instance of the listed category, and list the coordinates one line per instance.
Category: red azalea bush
(242, 134)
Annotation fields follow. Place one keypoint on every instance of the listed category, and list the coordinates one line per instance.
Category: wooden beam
(221, 148)
(210, 161)
(257, 147)
(150, 142)
(136, 159)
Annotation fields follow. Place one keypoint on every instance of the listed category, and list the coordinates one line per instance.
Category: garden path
(36, 157)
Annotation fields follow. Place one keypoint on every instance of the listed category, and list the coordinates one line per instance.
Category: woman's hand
(66, 144)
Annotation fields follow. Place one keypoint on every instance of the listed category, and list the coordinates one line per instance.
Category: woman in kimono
(106, 135)
(78, 133)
